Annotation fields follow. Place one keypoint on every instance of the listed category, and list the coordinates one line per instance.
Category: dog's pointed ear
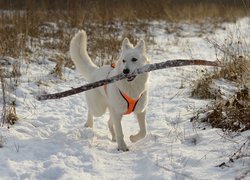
(126, 44)
(141, 45)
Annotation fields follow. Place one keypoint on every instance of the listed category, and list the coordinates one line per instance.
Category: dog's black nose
(126, 71)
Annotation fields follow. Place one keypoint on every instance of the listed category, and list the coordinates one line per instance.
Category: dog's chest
(122, 102)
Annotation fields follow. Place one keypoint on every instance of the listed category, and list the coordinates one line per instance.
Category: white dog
(122, 97)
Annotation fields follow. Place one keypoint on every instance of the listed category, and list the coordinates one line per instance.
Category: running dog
(120, 98)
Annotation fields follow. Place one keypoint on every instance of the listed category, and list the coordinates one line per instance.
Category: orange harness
(131, 103)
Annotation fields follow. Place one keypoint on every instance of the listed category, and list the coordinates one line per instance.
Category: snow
(49, 141)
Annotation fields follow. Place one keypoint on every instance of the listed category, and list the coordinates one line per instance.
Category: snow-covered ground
(49, 140)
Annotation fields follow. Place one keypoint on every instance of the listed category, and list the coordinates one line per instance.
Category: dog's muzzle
(131, 78)
(126, 72)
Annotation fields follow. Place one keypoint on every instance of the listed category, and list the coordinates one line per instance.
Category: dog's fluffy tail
(79, 55)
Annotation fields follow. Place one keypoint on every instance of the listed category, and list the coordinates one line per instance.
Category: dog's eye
(123, 61)
(134, 59)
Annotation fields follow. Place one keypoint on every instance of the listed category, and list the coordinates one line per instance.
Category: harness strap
(112, 65)
(131, 103)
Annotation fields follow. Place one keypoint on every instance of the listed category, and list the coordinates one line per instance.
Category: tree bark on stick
(144, 69)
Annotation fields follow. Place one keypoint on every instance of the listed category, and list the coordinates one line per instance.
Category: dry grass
(2, 141)
(233, 114)
(228, 113)
(29, 18)
(235, 65)
(108, 10)
(8, 114)
(3, 115)
(202, 87)
(24, 21)
(58, 69)
(233, 70)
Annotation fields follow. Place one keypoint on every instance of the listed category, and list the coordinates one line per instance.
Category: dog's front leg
(142, 124)
(116, 118)
(111, 129)
(89, 122)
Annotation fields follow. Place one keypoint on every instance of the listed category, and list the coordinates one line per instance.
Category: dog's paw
(122, 147)
(137, 137)
(124, 150)
(88, 125)
(133, 138)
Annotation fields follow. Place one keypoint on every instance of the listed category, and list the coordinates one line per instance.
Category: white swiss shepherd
(122, 97)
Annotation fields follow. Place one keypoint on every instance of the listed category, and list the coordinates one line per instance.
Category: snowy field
(50, 141)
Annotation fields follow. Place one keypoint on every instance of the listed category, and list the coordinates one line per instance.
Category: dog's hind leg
(111, 129)
(89, 122)
(142, 124)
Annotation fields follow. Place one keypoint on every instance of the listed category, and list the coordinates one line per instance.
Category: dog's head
(132, 57)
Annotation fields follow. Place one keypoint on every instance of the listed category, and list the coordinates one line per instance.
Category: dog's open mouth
(131, 78)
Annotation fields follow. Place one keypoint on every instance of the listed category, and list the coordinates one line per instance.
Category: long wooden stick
(144, 69)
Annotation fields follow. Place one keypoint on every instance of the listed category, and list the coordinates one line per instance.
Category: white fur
(98, 101)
